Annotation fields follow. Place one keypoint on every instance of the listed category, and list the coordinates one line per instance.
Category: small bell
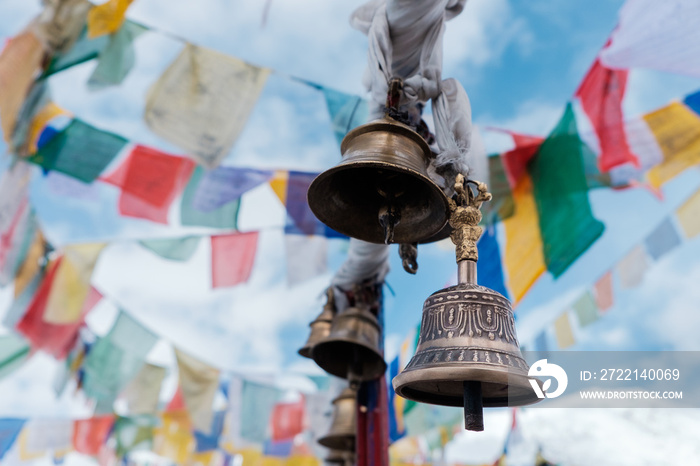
(321, 326)
(338, 457)
(468, 353)
(380, 192)
(343, 431)
(352, 350)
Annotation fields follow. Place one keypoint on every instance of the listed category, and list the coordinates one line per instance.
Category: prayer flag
(84, 49)
(107, 17)
(80, 150)
(222, 185)
(55, 339)
(19, 63)
(280, 448)
(644, 145)
(318, 408)
(632, 267)
(516, 160)
(133, 433)
(199, 383)
(210, 441)
(42, 118)
(150, 181)
(689, 216)
(287, 420)
(692, 101)
(177, 249)
(601, 94)
(37, 98)
(278, 184)
(501, 206)
(14, 351)
(9, 430)
(524, 261)
(346, 111)
(586, 309)
(202, 101)
(224, 217)
(71, 285)
(677, 130)
(90, 434)
(304, 222)
(563, 332)
(656, 35)
(42, 435)
(307, 257)
(114, 360)
(142, 394)
(173, 438)
(16, 240)
(662, 240)
(566, 221)
(257, 403)
(232, 258)
(61, 23)
(117, 58)
(603, 291)
(489, 267)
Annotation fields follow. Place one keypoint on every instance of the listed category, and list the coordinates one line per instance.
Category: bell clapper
(409, 257)
(473, 406)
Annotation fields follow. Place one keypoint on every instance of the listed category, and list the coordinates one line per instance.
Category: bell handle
(465, 215)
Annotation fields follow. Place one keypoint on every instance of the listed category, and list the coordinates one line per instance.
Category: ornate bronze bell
(321, 326)
(341, 435)
(381, 192)
(468, 353)
(352, 350)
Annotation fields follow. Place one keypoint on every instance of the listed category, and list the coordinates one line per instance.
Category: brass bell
(468, 353)
(352, 350)
(343, 431)
(381, 192)
(321, 326)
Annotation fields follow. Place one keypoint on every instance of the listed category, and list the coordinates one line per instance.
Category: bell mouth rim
(390, 125)
(401, 384)
(322, 362)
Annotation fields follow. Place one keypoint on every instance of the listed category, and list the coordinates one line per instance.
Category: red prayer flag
(515, 160)
(603, 292)
(178, 401)
(601, 94)
(232, 258)
(287, 420)
(150, 181)
(90, 434)
(55, 339)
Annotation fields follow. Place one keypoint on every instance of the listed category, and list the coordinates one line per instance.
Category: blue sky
(519, 62)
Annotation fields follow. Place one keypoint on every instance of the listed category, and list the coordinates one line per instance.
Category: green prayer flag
(83, 50)
(257, 403)
(225, 217)
(116, 359)
(178, 249)
(133, 433)
(502, 205)
(80, 151)
(586, 309)
(347, 111)
(117, 58)
(14, 351)
(566, 221)
(594, 177)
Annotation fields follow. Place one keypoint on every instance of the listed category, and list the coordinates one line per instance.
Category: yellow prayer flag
(524, 259)
(202, 459)
(30, 267)
(19, 62)
(173, 438)
(271, 461)
(298, 460)
(106, 18)
(689, 216)
(677, 130)
(72, 283)
(278, 183)
(46, 114)
(563, 332)
(250, 457)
